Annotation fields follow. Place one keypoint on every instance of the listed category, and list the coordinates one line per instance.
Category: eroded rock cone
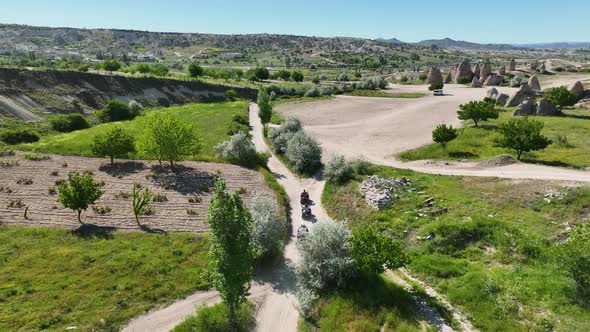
(464, 73)
(512, 65)
(492, 93)
(502, 99)
(534, 65)
(534, 83)
(521, 95)
(526, 108)
(494, 80)
(543, 69)
(486, 70)
(434, 76)
(451, 75)
(502, 70)
(477, 71)
(578, 89)
(475, 83)
(546, 108)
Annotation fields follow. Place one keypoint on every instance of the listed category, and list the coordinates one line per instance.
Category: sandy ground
(193, 180)
(376, 129)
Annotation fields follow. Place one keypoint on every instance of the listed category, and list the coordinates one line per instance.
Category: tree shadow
(122, 169)
(463, 155)
(183, 179)
(487, 126)
(546, 162)
(279, 273)
(576, 116)
(90, 231)
(150, 230)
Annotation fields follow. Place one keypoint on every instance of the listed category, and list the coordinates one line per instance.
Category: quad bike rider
(305, 202)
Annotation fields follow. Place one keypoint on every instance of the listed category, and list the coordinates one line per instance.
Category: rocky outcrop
(534, 83)
(434, 76)
(475, 83)
(451, 75)
(381, 193)
(512, 66)
(578, 89)
(516, 81)
(521, 95)
(546, 108)
(494, 80)
(526, 108)
(502, 99)
(534, 65)
(486, 70)
(543, 69)
(477, 71)
(492, 93)
(464, 73)
(502, 70)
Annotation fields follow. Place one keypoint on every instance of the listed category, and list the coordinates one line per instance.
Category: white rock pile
(381, 193)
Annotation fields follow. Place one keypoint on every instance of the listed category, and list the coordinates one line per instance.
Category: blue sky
(514, 21)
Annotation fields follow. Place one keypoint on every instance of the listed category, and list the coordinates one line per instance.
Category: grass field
(52, 279)
(210, 121)
(493, 253)
(368, 305)
(383, 94)
(477, 143)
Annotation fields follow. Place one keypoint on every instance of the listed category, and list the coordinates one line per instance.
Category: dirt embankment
(25, 94)
(181, 205)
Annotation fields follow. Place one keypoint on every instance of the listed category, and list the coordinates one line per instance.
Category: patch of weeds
(24, 180)
(195, 199)
(191, 212)
(59, 182)
(8, 163)
(102, 210)
(51, 190)
(160, 198)
(16, 203)
(64, 165)
(36, 156)
(54, 173)
(123, 195)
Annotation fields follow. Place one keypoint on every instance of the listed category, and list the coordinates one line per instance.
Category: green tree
(116, 142)
(560, 96)
(264, 106)
(261, 73)
(443, 134)
(168, 138)
(144, 68)
(285, 75)
(477, 111)
(315, 80)
(140, 201)
(436, 86)
(195, 70)
(297, 76)
(374, 252)
(522, 135)
(111, 65)
(160, 70)
(115, 110)
(232, 249)
(79, 192)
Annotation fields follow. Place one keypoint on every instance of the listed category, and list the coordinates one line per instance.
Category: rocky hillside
(29, 95)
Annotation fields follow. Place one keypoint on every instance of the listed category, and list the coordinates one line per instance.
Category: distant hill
(451, 43)
(391, 41)
(571, 45)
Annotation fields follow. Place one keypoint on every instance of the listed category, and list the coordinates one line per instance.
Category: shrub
(307, 299)
(560, 96)
(478, 111)
(279, 137)
(111, 65)
(269, 228)
(575, 259)
(214, 319)
(236, 127)
(261, 73)
(443, 134)
(315, 80)
(241, 119)
(360, 167)
(342, 77)
(337, 170)
(373, 252)
(436, 86)
(403, 79)
(135, 108)
(285, 75)
(464, 80)
(521, 135)
(423, 77)
(17, 136)
(313, 92)
(318, 270)
(238, 149)
(297, 76)
(84, 68)
(375, 83)
(195, 70)
(115, 110)
(69, 122)
(231, 94)
(304, 153)
(36, 156)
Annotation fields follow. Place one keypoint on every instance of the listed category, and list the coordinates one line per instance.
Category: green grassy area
(51, 279)
(477, 143)
(368, 305)
(210, 121)
(214, 319)
(492, 253)
(384, 94)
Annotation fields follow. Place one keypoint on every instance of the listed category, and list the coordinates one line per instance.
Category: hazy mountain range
(451, 43)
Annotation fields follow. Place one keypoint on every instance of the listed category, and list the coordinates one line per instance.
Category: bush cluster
(301, 151)
(69, 122)
(17, 136)
(269, 227)
(116, 110)
(238, 149)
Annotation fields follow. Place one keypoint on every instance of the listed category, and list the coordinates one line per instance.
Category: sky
(499, 21)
